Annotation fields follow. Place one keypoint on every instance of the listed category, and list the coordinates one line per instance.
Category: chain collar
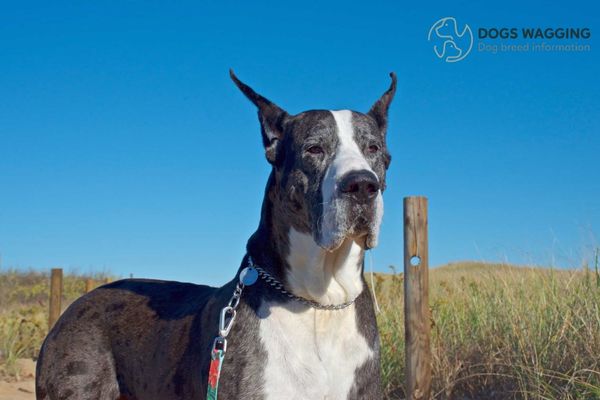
(270, 280)
(247, 277)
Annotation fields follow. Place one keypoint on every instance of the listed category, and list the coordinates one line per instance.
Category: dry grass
(501, 332)
(24, 312)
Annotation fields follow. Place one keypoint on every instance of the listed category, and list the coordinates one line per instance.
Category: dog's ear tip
(379, 110)
(233, 77)
(247, 90)
(394, 78)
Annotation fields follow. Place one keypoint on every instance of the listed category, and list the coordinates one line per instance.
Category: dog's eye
(315, 150)
(373, 148)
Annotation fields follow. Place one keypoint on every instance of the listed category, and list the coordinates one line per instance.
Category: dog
(305, 329)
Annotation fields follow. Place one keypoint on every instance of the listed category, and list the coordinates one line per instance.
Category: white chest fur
(329, 277)
(311, 354)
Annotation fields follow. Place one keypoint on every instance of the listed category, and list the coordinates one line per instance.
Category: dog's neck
(328, 277)
(293, 257)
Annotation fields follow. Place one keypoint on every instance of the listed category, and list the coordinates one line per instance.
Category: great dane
(304, 330)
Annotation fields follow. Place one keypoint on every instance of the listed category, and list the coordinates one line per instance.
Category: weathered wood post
(56, 285)
(89, 285)
(416, 299)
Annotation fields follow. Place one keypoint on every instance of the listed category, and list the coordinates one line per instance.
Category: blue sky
(124, 146)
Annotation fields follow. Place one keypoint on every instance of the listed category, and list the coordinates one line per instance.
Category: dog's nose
(361, 185)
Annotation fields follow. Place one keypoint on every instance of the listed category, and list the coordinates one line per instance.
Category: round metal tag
(248, 276)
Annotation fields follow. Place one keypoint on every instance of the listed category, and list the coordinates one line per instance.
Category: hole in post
(415, 261)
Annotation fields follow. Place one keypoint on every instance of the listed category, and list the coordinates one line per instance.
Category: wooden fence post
(417, 324)
(89, 285)
(56, 285)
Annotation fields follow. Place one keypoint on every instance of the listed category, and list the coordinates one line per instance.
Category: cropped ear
(271, 118)
(379, 111)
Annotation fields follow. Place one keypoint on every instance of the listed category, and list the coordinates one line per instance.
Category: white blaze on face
(348, 157)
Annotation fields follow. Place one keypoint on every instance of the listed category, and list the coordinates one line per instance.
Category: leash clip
(220, 343)
(226, 323)
(247, 277)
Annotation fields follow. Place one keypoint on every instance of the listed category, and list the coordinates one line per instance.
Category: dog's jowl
(305, 330)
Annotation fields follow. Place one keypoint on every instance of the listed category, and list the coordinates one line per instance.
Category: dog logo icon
(449, 42)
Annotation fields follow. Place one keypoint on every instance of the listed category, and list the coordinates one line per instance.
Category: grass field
(499, 332)
(24, 312)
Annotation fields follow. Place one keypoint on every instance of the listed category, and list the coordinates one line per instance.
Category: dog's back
(108, 339)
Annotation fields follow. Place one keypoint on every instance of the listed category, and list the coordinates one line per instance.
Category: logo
(450, 43)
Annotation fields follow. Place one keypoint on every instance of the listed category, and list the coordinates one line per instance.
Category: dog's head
(329, 167)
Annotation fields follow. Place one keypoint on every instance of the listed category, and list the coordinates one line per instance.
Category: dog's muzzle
(354, 210)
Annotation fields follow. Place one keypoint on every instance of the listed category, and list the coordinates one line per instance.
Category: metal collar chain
(269, 279)
(248, 276)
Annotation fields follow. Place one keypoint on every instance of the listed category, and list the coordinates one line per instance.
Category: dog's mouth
(347, 220)
(361, 220)
(364, 228)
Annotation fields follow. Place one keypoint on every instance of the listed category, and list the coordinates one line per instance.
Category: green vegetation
(498, 332)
